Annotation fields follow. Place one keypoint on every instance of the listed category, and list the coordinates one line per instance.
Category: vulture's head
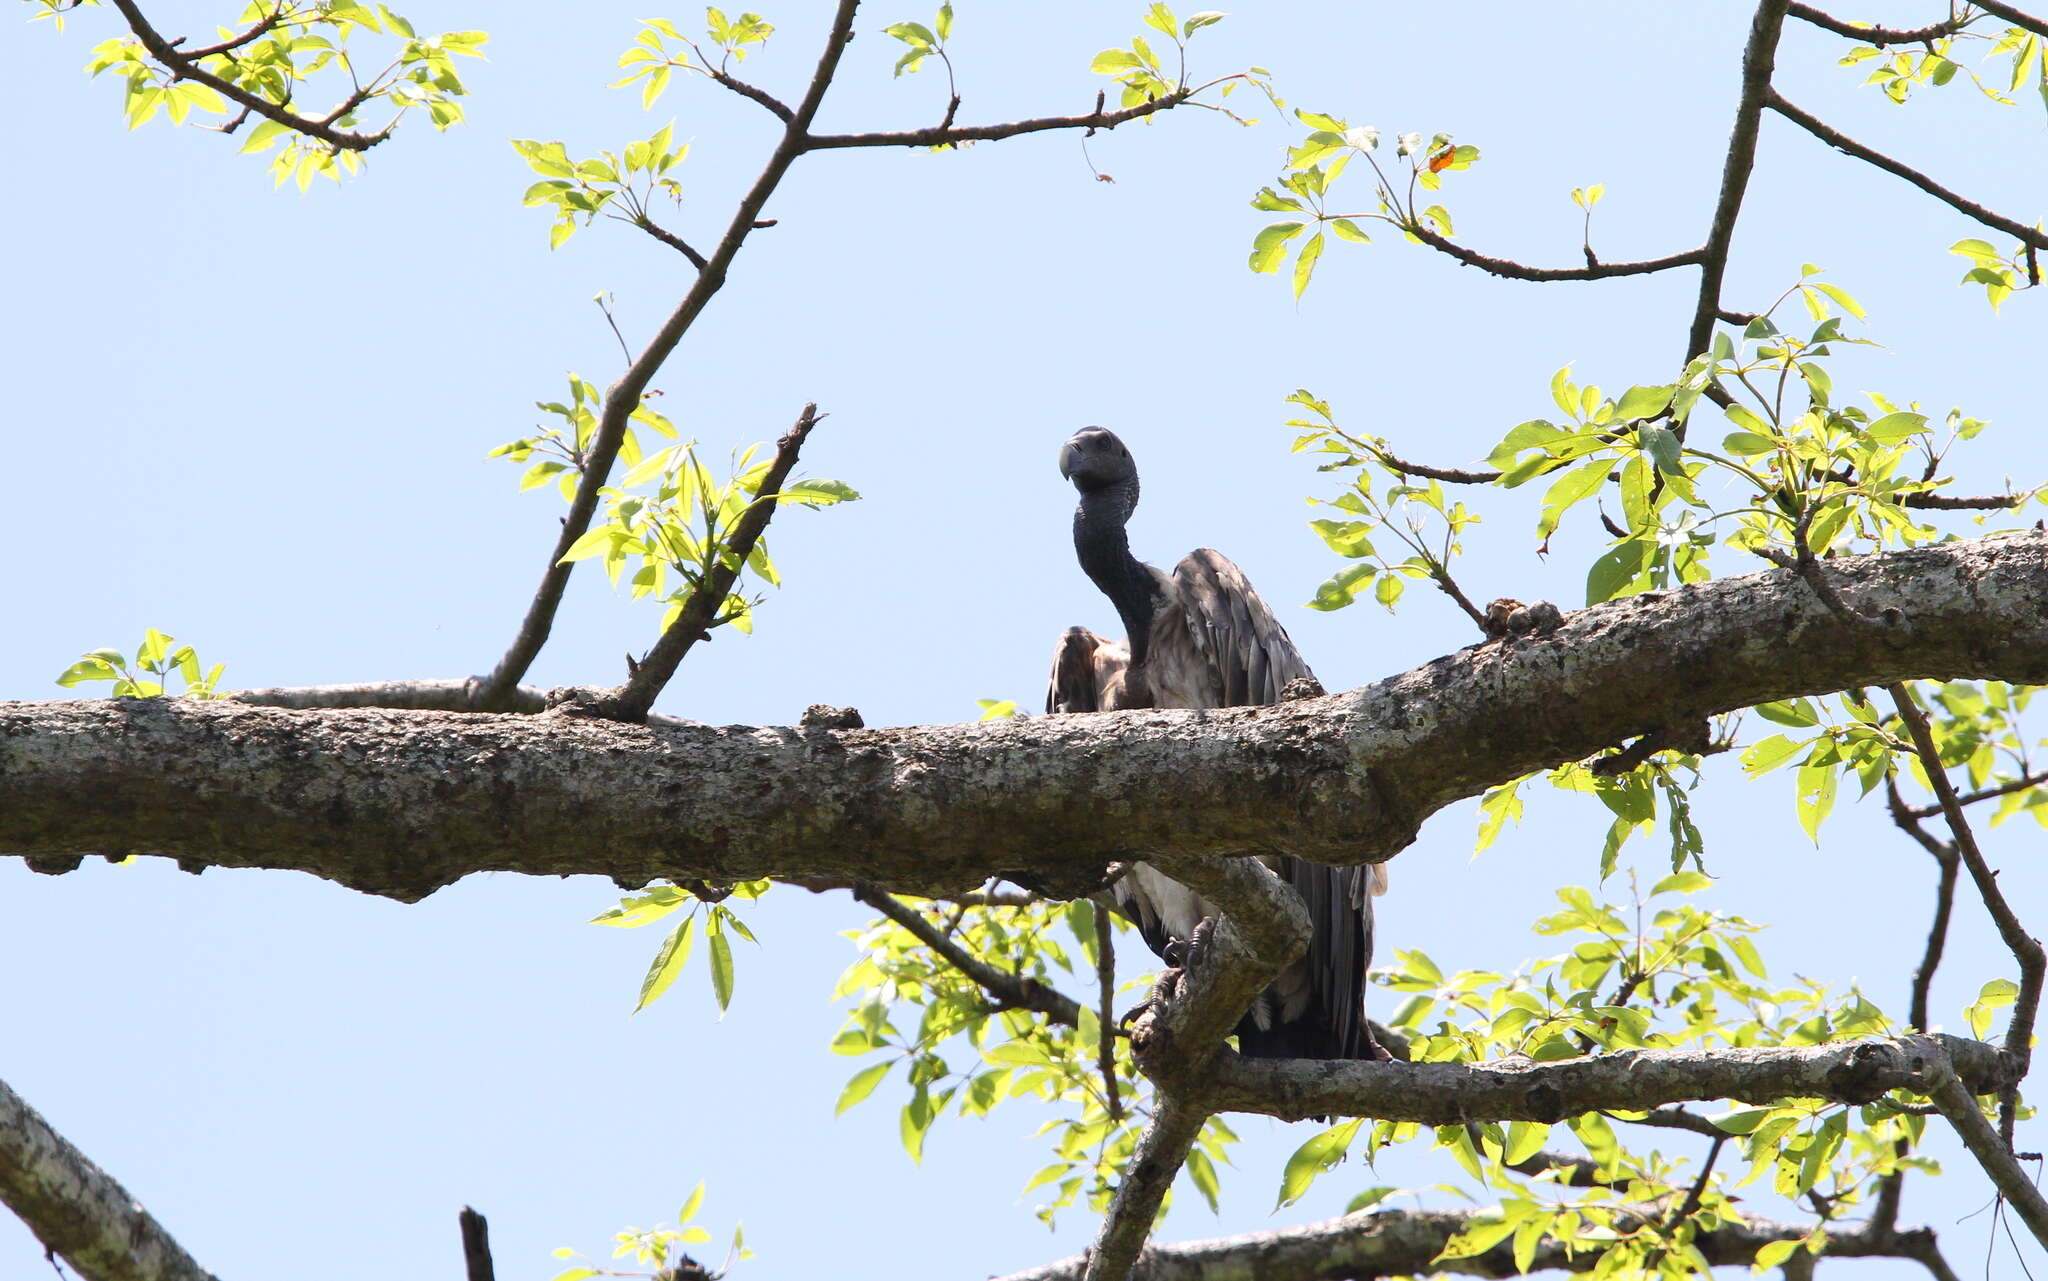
(1093, 458)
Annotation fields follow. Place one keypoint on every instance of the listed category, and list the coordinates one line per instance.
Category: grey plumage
(1203, 637)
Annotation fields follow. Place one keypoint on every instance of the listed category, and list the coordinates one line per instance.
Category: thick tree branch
(1849, 146)
(402, 803)
(1759, 59)
(1376, 1243)
(1961, 503)
(948, 135)
(623, 396)
(185, 66)
(77, 1210)
(1511, 270)
(1230, 961)
(1161, 1151)
(1874, 34)
(1522, 1089)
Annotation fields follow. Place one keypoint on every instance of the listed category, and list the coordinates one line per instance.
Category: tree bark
(402, 803)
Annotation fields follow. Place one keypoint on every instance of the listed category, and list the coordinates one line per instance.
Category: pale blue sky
(257, 420)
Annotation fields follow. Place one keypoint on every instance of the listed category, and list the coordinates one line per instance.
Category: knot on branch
(826, 716)
(1507, 618)
(1302, 687)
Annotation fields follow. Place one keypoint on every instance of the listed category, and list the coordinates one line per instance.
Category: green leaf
(1643, 402)
(668, 962)
(1525, 1139)
(691, 1206)
(87, 669)
(721, 970)
(1747, 444)
(1270, 245)
(1615, 570)
(1573, 487)
(1313, 1158)
(1799, 713)
(1682, 883)
(862, 1085)
(1816, 796)
(1305, 264)
(1896, 426)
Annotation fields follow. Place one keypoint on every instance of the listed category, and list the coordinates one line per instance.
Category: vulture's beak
(1067, 456)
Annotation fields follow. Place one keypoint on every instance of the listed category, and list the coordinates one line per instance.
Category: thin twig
(622, 398)
(2026, 950)
(1958, 503)
(941, 136)
(1759, 59)
(183, 66)
(1849, 146)
(1449, 475)
(1011, 991)
(1873, 34)
(263, 27)
(1945, 858)
(1105, 979)
(776, 106)
(632, 701)
(1511, 270)
(1984, 794)
(672, 240)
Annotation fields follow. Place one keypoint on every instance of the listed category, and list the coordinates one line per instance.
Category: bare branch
(631, 701)
(185, 66)
(1522, 1089)
(476, 1246)
(263, 27)
(672, 240)
(1958, 503)
(2023, 784)
(402, 803)
(77, 1210)
(1849, 146)
(1448, 475)
(1161, 1151)
(776, 106)
(419, 695)
(1011, 991)
(1874, 34)
(1759, 59)
(947, 135)
(2026, 950)
(1231, 959)
(1511, 270)
(622, 398)
(2039, 26)
(1105, 1013)
(1992, 1152)
(1377, 1243)
(1945, 858)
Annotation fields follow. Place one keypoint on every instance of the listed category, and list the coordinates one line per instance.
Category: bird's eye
(1121, 452)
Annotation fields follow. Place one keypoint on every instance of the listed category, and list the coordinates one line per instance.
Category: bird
(1202, 637)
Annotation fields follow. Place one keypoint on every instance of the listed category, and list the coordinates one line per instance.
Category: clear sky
(257, 420)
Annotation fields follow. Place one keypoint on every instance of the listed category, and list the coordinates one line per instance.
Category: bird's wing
(1087, 673)
(1247, 652)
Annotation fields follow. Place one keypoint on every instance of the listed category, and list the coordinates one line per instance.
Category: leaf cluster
(155, 660)
(668, 519)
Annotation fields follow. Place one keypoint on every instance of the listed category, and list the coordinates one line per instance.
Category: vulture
(1201, 637)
